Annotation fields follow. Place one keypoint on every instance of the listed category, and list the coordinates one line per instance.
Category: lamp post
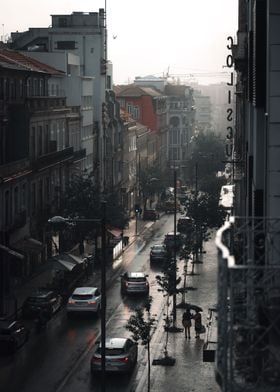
(174, 328)
(61, 221)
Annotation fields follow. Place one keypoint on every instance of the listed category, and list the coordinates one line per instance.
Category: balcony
(79, 155)
(53, 158)
(16, 223)
(239, 52)
(248, 353)
(45, 103)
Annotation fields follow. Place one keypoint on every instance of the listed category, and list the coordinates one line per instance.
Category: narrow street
(58, 359)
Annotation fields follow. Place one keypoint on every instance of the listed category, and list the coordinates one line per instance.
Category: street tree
(168, 282)
(82, 199)
(151, 182)
(140, 324)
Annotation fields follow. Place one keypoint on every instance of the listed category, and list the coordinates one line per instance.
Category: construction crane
(193, 75)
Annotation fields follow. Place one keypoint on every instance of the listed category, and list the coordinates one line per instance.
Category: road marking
(91, 343)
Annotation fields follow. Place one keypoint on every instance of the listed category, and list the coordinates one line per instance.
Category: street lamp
(60, 221)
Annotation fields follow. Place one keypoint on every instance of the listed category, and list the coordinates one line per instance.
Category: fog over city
(179, 37)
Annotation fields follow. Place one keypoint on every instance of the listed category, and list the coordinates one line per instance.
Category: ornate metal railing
(248, 353)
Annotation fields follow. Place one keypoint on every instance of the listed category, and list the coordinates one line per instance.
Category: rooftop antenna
(105, 25)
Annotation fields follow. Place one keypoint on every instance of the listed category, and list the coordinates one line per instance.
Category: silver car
(120, 356)
(134, 283)
(84, 299)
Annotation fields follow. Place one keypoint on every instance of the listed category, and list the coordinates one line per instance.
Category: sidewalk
(189, 373)
(45, 275)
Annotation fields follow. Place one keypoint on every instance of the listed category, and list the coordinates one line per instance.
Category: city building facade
(36, 160)
(249, 242)
(77, 44)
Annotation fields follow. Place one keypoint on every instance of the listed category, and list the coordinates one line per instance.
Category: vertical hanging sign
(229, 113)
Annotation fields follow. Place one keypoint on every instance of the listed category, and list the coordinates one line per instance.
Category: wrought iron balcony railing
(248, 353)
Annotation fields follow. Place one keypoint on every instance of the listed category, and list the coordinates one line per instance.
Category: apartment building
(249, 275)
(77, 45)
(36, 159)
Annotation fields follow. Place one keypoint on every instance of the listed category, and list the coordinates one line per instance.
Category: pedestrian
(187, 322)
(197, 323)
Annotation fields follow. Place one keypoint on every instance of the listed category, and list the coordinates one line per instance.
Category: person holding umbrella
(187, 322)
(197, 323)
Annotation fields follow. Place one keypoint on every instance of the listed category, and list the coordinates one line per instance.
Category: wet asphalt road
(58, 359)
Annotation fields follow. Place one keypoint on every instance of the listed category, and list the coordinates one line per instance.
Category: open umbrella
(196, 308)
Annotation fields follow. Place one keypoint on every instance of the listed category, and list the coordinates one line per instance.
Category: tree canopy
(82, 199)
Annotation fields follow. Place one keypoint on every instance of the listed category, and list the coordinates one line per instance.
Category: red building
(147, 106)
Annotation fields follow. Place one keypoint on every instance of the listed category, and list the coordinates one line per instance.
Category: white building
(77, 44)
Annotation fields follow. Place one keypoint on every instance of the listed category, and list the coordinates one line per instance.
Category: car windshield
(158, 247)
(140, 279)
(84, 297)
(112, 351)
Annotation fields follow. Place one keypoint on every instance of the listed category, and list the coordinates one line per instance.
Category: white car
(84, 300)
(120, 356)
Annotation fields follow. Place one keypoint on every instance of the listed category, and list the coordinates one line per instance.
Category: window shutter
(259, 54)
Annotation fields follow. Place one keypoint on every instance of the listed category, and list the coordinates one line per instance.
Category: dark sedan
(158, 253)
(13, 335)
(42, 299)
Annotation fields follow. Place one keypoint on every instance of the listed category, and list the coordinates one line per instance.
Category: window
(40, 140)
(129, 108)
(7, 208)
(33, 142)
(52, 92)
(174, 136)
(87, 102)
(135, 113)
(23, 196)
(16, 200)
(86, 131)
(65, 45)
(109, 82)
(174, 153)
(174, 121)
(132, 143)
(47, 189)
(40, 194)
(33, 198)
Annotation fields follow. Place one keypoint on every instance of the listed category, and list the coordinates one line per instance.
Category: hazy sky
(185, 36)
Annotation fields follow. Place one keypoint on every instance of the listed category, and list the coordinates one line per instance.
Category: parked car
(158, 253)
(13, 335)
(169, 206)
(84, 300)
(134, 283)
(41, 299)
(150, 215)
(171, 241)
(120, 356)
(185, 225)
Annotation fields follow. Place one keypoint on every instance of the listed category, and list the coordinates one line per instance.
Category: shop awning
(115, 231)
(69, 258)
(60, 265)
(29, 244)
(12, 252)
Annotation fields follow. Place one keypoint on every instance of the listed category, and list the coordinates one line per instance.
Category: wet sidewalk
(189, 373)
(44, 276)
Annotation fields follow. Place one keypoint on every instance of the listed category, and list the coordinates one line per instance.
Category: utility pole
(59, 222)
(103, 299)
(175, 244)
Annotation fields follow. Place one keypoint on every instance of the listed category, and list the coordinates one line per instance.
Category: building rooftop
(15, 60)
